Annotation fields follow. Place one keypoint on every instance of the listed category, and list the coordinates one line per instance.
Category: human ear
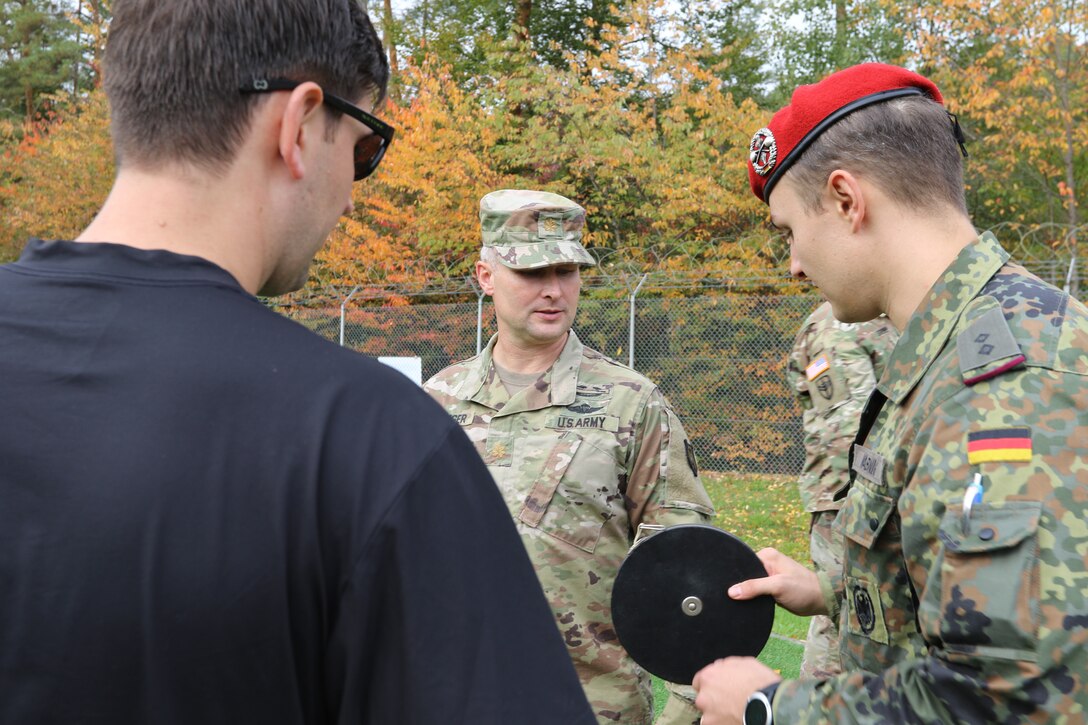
(298, 124)
(485, 277)
(847, 197)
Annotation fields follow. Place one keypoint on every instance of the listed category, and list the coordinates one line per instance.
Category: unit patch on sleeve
(817, 367)
(999, 444)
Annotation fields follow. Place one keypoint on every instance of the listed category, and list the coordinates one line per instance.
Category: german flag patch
(1001, 444)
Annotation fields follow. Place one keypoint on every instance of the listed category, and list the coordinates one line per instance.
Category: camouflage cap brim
(543, 254)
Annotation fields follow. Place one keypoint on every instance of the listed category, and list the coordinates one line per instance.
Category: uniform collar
(483, 386)
(932, 323)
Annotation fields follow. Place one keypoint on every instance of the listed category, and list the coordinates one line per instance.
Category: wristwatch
(758, 709)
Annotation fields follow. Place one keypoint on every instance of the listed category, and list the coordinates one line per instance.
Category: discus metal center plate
(692, 606)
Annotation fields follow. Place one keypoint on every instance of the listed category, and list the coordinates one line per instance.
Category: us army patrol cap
(531, 229)
(815, 108)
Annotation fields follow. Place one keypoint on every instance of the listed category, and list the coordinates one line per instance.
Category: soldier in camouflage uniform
(962, 593)
(582, 448)
(832, 368)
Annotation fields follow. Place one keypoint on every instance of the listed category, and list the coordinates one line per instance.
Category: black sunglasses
(369, 150)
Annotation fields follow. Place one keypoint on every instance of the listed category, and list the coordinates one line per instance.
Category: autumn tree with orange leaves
(1017, 73)
(645, 135)
(54, 178)
(645, 121)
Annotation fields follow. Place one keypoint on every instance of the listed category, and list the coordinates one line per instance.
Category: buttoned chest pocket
(865, 514)
(575, 493)
(982, 596)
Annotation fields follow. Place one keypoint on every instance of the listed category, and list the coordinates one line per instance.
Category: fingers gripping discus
(670, 607)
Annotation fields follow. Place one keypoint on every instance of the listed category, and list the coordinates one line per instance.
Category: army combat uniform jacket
(979, 615)
(832, 368)
(582, 457)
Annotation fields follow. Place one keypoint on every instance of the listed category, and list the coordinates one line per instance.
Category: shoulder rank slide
(999, 444)
(987, 348)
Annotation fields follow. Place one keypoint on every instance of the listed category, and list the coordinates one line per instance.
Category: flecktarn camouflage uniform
(582, 457)
(832, 368)
(978, 618)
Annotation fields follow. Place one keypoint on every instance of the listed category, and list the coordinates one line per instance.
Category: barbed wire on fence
(709, 263)
(1056, 252)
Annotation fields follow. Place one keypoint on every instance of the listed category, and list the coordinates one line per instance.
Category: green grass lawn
(763, 511)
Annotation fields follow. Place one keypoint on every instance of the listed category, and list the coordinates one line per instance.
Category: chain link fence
(717, 346)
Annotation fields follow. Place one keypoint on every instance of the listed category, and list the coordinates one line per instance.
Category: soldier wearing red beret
(961, 596)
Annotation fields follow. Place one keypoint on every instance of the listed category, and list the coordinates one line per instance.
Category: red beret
(815, 108)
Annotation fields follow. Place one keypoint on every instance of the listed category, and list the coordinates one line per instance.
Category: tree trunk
(1065, 67)
(523, 12)
(98, 30)
(1072, 212)
(79, 41)
(839, 46)
(423, 34)
(389, 41)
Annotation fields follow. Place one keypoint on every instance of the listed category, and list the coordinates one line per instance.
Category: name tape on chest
(869, 464)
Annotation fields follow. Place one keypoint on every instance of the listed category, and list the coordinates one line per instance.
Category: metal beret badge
(763, 151)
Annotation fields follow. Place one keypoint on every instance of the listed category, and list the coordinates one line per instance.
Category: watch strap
(761, 700)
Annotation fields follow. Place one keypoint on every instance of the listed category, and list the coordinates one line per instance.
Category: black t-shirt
(209, 514)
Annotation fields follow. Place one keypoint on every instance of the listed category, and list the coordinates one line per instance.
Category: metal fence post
(343, 305)
(631, 329)
(1072, 282)
(479, 314)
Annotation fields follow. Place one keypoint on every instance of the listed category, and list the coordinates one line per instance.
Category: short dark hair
(173, 69)
(906, 145)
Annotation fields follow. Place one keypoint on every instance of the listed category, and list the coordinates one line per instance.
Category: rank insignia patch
(1001, 444)
(549, 226)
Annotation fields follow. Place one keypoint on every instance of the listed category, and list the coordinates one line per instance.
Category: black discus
(670, 607)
